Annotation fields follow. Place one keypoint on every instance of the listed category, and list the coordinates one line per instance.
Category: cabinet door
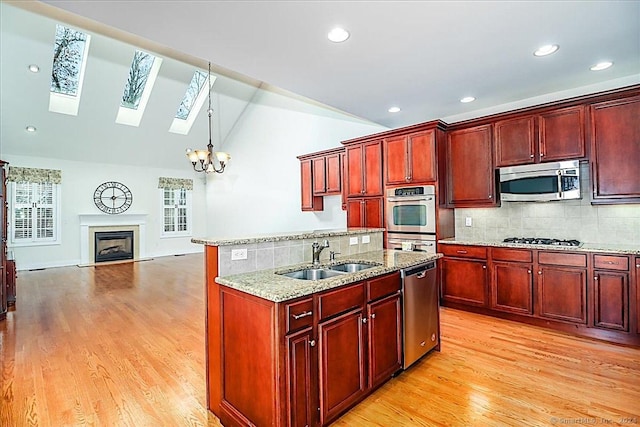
(333, 175)
(355, 173)
(395, 159)
(611, 300)
(319, 177)
(422, 157)
(561, 134)
(471, 180)
(385, 342)
(372, 168)
(637, 291)
(464, 281)
(562, 293)
(342, 363)
(355, 213)
(300, 384)
(515, 141)
(373, 216)
(309, 202)
(615, 151)
(512, 288)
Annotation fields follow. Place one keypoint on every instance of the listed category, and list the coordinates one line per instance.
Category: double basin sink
(328, 272)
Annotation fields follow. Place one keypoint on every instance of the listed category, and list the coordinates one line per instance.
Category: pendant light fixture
(203, 160)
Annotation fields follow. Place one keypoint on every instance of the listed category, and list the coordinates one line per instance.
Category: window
(143, 73)
(34, 213)
(176, 212)
(192, 101)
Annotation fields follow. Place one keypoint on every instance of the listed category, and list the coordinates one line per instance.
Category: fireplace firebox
(113, 246)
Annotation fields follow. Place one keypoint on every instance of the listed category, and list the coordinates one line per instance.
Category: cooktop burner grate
(542, 241)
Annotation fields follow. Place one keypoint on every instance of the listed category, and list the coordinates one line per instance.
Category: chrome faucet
(317, 249)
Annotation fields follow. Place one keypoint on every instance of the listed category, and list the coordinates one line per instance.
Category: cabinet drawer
(299, 314)
(340, 300)
(515, 255)
(383, 286)
(561, 258)
(464, 251)
(611, 262)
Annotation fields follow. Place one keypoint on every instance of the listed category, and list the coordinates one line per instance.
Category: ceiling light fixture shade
(601, 66)
(30, 128)
(394, 110)
(338, 35)
(467, 99)
(34, 68)
(546, 50)
(203, 160)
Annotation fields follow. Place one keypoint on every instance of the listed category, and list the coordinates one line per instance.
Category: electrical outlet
(353, 240)
(237, 254)
(467, 221)
(366, 239)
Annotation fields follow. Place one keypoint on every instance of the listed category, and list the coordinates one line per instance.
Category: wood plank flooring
(123, 345)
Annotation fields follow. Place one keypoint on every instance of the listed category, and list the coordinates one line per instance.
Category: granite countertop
(275, 237)
(587, 247)
(274, 287)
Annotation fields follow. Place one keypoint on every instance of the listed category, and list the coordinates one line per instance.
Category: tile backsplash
(567, 219)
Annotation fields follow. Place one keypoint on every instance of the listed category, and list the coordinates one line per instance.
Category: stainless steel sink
(312, 274)
(352, 267)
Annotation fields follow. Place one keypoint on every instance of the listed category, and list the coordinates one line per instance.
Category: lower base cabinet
(562, 293)
(307, 361)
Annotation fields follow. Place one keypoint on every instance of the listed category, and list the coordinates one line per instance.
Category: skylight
(70, 52)
(142, 76)
(191, 103)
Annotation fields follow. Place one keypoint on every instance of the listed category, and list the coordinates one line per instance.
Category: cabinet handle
(595, 278)
(539, 272)
(373, 315)
(529, 271)
(301, 315)
(364, 320)
(462, 252)
(312, 343)
(490, 196)
(612, 262)
(637, 265)
(531, 156)
(484, 266)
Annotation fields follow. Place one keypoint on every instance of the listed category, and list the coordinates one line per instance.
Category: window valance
(34, 175)
(175, 183)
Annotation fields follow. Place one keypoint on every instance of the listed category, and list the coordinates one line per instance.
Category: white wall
(260, 191)
(79, 181)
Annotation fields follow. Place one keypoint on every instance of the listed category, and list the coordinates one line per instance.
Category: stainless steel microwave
(541, 182)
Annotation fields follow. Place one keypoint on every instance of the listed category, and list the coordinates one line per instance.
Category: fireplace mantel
(87, 221)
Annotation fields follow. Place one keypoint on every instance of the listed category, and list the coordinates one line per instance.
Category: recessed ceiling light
(546, 50)
(601, 66)
(394, 109)
(30, 128)
(34, 68)
(467, 99)
(338, 35)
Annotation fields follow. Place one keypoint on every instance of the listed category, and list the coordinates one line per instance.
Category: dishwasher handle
(419, 270)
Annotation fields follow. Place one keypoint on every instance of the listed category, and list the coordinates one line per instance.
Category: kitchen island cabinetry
(615, 151)
(550, 136)
(471, 180)
(411, 159)
(512, 280)
(562, 286)
(611, 292)
(464, 274)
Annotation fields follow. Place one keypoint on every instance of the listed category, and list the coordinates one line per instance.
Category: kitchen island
(285, 351)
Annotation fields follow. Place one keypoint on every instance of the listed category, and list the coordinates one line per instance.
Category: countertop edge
(211, 241)
(584, 248)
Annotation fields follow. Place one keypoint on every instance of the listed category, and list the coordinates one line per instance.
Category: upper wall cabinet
(550, 136)
(364, 169)
(320, 175)
(410, 159)
(471, 178)
(615, 151)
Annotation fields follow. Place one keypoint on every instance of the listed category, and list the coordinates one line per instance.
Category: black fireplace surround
(113, 246)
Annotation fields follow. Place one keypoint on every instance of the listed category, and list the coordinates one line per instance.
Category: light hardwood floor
(123, 345)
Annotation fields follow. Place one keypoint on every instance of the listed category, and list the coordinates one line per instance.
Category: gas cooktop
(542, 241)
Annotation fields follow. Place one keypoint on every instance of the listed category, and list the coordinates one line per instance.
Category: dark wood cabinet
(364, 169)
(471, 180)
(300, 378)
(637, 292)
(4, 273)
(611, 292)
(365, 212)
(562, 286)
(615, 151)
(512, 280)
(410, 159)
(309, 201)
(464, 275)
(385, 341)
(550, 136)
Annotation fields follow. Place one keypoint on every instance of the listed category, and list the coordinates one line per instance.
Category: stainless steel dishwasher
(420, 312)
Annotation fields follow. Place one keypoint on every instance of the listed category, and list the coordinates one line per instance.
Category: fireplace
(113, 245)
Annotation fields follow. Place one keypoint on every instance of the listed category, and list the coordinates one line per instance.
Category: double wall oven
(411, 218)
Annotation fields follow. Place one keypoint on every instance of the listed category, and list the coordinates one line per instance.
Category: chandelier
(203, 160)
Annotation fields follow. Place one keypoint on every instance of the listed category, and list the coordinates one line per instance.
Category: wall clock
(112, 197)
